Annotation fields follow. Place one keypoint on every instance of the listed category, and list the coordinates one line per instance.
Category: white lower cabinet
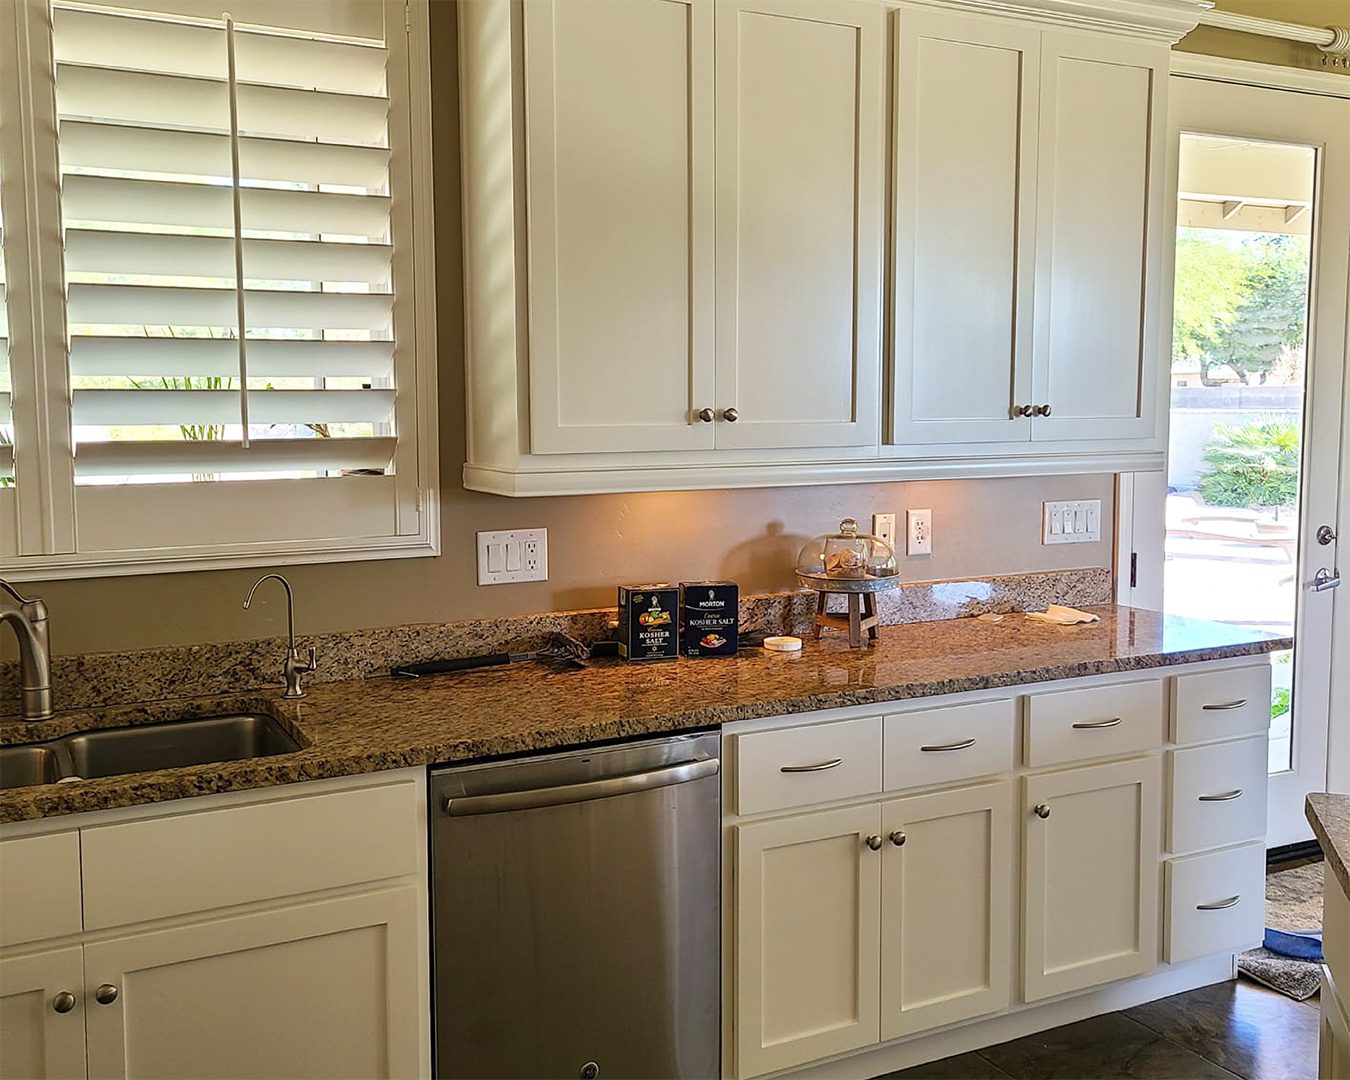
(38, 1040)
(1090, 875)
(808, 928)
(946, 907)
(308, 990)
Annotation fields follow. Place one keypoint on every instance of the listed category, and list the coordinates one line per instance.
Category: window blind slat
(86, 144)
(155, 305)
(93, 251)
(98, 408)
(205, 357)
(227, 456)
(114, 40)
(159, 202)
(138, 97)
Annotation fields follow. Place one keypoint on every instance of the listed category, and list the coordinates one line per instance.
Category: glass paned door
(1241, 528)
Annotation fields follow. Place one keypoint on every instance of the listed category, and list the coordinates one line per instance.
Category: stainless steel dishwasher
(575, 901)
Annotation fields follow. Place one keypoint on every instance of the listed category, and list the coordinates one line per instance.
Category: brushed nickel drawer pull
(1224, 706)
(1223, 796)
(964, 744)
(1093, 725)
(819, 766)
(1218, 905)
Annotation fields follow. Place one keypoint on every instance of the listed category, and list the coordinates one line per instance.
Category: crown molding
(1165, 21)
(1252, 73)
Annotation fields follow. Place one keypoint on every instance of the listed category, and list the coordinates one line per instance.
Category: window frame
(44, 515)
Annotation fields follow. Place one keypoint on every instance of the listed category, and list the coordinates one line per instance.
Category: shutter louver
(147, 189)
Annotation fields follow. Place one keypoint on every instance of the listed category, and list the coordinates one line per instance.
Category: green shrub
(1253, 465)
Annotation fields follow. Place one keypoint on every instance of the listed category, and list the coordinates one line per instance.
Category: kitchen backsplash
(230, 667)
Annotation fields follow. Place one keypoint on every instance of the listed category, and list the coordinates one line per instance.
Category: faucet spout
(29, 620)
(294, 666)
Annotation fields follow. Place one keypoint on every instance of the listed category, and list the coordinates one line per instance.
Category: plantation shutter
(6, 413)
(192, 147)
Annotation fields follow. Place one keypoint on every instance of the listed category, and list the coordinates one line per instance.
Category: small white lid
(783, 644)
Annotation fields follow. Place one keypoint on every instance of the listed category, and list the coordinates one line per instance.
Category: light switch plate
(512, 556)
(919, 532)
(1073, 522)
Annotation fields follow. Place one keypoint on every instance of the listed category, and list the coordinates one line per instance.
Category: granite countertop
(1330, 819)
(363, 726)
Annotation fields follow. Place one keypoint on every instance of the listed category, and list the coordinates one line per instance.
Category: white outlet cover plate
(515, 555)
(883, 525)
(1076, 521)
(918, 532)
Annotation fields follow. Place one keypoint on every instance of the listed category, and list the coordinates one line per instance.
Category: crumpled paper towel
(1063, 616)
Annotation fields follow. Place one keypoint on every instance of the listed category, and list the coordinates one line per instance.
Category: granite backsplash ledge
(93, 680)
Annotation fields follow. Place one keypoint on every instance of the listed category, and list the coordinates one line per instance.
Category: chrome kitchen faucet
(294, 667)
(29, 619)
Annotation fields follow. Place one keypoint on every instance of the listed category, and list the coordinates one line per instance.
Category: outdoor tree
(1211, 281)
(1253, 465)
(1271, 317)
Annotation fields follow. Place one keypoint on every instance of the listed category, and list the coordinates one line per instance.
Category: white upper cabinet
(799, 220)
(619, 120)
(966, 117)
(1027, 233)
(1099, 236)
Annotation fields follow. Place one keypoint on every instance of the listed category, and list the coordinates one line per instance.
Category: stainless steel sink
(117, 751)
(21, 766)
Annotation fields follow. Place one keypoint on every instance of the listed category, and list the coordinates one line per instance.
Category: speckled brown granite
(95, 680)
(1329, 816)
(369, 725)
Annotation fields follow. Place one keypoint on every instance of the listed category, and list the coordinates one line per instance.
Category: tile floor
(1232, 1029)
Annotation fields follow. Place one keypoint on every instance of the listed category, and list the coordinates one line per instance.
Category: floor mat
(1293, 902)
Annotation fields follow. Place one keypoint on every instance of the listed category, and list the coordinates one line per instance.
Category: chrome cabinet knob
(874, 842)
(898, 838)
(1042, 811)
(1023, 410)
(1040, 410)
(106, 994)
(706, 415)
(730, 415)
(63, 1002)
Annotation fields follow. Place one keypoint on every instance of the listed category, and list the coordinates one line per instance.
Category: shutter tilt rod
(238, 229)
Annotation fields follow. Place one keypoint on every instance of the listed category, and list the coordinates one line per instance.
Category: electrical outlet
(919, 527)
(515, 555)
(1073, 522)
(883, 525)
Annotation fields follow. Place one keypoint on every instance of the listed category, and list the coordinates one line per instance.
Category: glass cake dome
(848, 561)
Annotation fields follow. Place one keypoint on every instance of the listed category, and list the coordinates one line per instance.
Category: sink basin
(21, 766)
(117, 751)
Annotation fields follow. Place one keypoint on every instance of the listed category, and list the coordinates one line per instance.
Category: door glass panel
(1239, 351)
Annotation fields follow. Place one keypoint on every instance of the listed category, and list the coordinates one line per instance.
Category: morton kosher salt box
(648, 626)
(710, 621)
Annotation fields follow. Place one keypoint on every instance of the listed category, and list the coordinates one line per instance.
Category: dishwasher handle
(506, 801)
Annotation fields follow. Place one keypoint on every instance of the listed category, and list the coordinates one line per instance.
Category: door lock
(1325, 579)
(1325, 535)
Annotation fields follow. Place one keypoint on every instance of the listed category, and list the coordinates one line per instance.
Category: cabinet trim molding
(1159, 20)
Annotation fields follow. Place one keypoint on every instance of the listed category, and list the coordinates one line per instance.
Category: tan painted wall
(980, 527)
(1214, 42)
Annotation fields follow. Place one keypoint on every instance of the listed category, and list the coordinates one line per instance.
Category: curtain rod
(1330, 39)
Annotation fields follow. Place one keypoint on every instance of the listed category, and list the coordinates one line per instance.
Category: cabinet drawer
(215, 858)
(1218, 795)
(1221, 704)
(1097, 722)
(934, 746)
(1216, 902)
(39, 887)
(803, 765)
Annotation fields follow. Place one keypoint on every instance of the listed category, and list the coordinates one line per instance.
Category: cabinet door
(619, 128)
(964, 227)
(36, 1041)
(807, 938)
(1090, 876)
(1098, 249)
(946, 907)
(799, 222)
(320, 989)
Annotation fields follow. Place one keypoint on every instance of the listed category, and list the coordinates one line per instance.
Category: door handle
(1219, 905)
(819, 766)
(1325, 579)
(963, 744)
(1226, 796)
(1093, 725)
(464, 805)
